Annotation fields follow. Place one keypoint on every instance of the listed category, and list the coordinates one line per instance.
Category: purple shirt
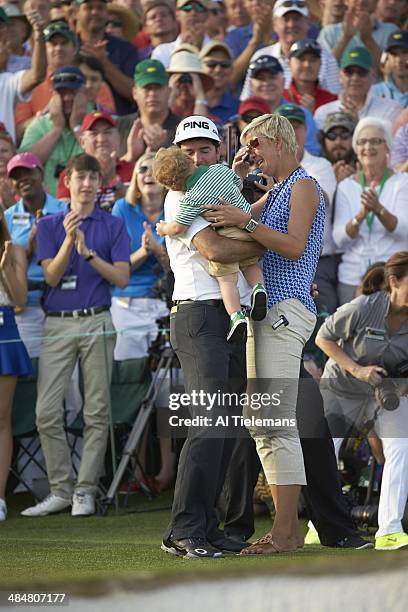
(104, 234)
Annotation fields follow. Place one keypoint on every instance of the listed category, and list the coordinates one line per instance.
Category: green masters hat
(150, 72)
(292, 112)
(357, 56)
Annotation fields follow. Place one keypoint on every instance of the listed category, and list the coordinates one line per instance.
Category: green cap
(3, 15)
(357, 56)
(150, 72)
(61, 28)
(292, 112)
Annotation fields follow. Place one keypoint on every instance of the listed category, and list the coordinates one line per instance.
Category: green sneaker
(259, 303)
(238, 327)
(312, 537)
(392, 541)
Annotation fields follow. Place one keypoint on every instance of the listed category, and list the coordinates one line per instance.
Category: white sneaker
(3, 510)
(52, 503)
(83, 504)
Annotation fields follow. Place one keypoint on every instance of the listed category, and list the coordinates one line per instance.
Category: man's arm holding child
(214, 247)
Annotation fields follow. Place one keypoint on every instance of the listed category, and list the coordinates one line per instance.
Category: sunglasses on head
(298, 3)
(57, 27)
(197, 8)
(67, 78)
(344, 135)
(221, 63)
(306, 45)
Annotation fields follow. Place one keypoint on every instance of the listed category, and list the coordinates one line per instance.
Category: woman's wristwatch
(251, 225)
(355, 222)
(91, 255)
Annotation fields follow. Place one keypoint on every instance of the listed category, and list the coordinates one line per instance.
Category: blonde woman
(14, 359)
(291, 229)
(135, 309)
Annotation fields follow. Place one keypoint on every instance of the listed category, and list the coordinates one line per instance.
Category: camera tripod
(164, 365)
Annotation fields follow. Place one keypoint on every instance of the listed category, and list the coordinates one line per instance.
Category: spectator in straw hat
(189, 84)
(122, 22)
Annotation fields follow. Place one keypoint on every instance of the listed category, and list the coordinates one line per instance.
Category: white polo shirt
(322, 170)
(374, 107)
(192, 280)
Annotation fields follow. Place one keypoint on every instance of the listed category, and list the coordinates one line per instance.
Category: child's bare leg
(253, 275)
(229, 292)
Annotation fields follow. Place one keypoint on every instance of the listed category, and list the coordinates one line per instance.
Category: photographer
(367, 341)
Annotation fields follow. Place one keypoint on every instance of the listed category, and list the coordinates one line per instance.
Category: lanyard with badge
(371, 214)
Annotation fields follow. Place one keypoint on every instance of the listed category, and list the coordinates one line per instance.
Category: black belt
(202, 302)
(74, 314)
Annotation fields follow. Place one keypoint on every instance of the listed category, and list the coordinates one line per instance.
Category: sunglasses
(197, 8)
(298, 3)
(345, 135)
(361, 72)
(302, 46)
(53, 28)
(253, 142)
(374, 142)
(221, 63)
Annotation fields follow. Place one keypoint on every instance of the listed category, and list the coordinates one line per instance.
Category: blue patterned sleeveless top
(284, 278)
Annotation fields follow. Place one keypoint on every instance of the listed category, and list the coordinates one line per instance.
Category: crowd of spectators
(111, 82)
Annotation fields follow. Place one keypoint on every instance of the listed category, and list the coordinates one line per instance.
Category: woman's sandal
(264, 546)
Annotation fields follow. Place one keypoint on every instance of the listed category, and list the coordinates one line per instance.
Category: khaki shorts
(216, 268)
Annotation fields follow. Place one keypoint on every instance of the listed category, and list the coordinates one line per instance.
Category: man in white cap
(199, 325)
(291, 23)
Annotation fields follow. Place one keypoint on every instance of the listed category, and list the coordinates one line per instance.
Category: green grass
(85, 554)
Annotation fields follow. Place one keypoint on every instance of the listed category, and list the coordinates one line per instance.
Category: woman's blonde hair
(172, 167)
(274, 127)
(133, 194)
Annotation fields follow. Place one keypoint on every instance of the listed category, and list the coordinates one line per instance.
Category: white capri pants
(278, 356)
(392, 429)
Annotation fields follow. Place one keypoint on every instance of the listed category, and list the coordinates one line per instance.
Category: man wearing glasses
(192, 17)
(335, 140)
(356, 76)
(217, 62)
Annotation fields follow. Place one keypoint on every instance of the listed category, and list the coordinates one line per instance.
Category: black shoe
(353, 542)
(259, 303)
(229, 545)
(190, 548)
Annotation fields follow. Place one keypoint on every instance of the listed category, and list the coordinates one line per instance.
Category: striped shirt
(328, 74)
(205, 186)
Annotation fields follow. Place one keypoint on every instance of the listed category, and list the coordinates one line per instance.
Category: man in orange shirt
(61, 51)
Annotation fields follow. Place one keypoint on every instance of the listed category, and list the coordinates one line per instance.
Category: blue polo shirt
(226, 108)
(19, 222)
(388, 89)
(143, 279)
(104, 234)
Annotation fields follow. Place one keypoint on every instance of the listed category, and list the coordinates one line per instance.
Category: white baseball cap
(282, 7)
(196, 126)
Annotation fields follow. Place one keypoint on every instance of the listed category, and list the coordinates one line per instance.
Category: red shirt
(106, 194)
(321, 96)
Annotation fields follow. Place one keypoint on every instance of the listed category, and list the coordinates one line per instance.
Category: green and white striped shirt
(205, 186)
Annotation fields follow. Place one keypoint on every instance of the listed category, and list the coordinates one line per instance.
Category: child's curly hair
(171, 168)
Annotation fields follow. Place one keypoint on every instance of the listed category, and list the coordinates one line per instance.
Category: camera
(366, 515)
(253, 177)
(386, 393)
(186, 78)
